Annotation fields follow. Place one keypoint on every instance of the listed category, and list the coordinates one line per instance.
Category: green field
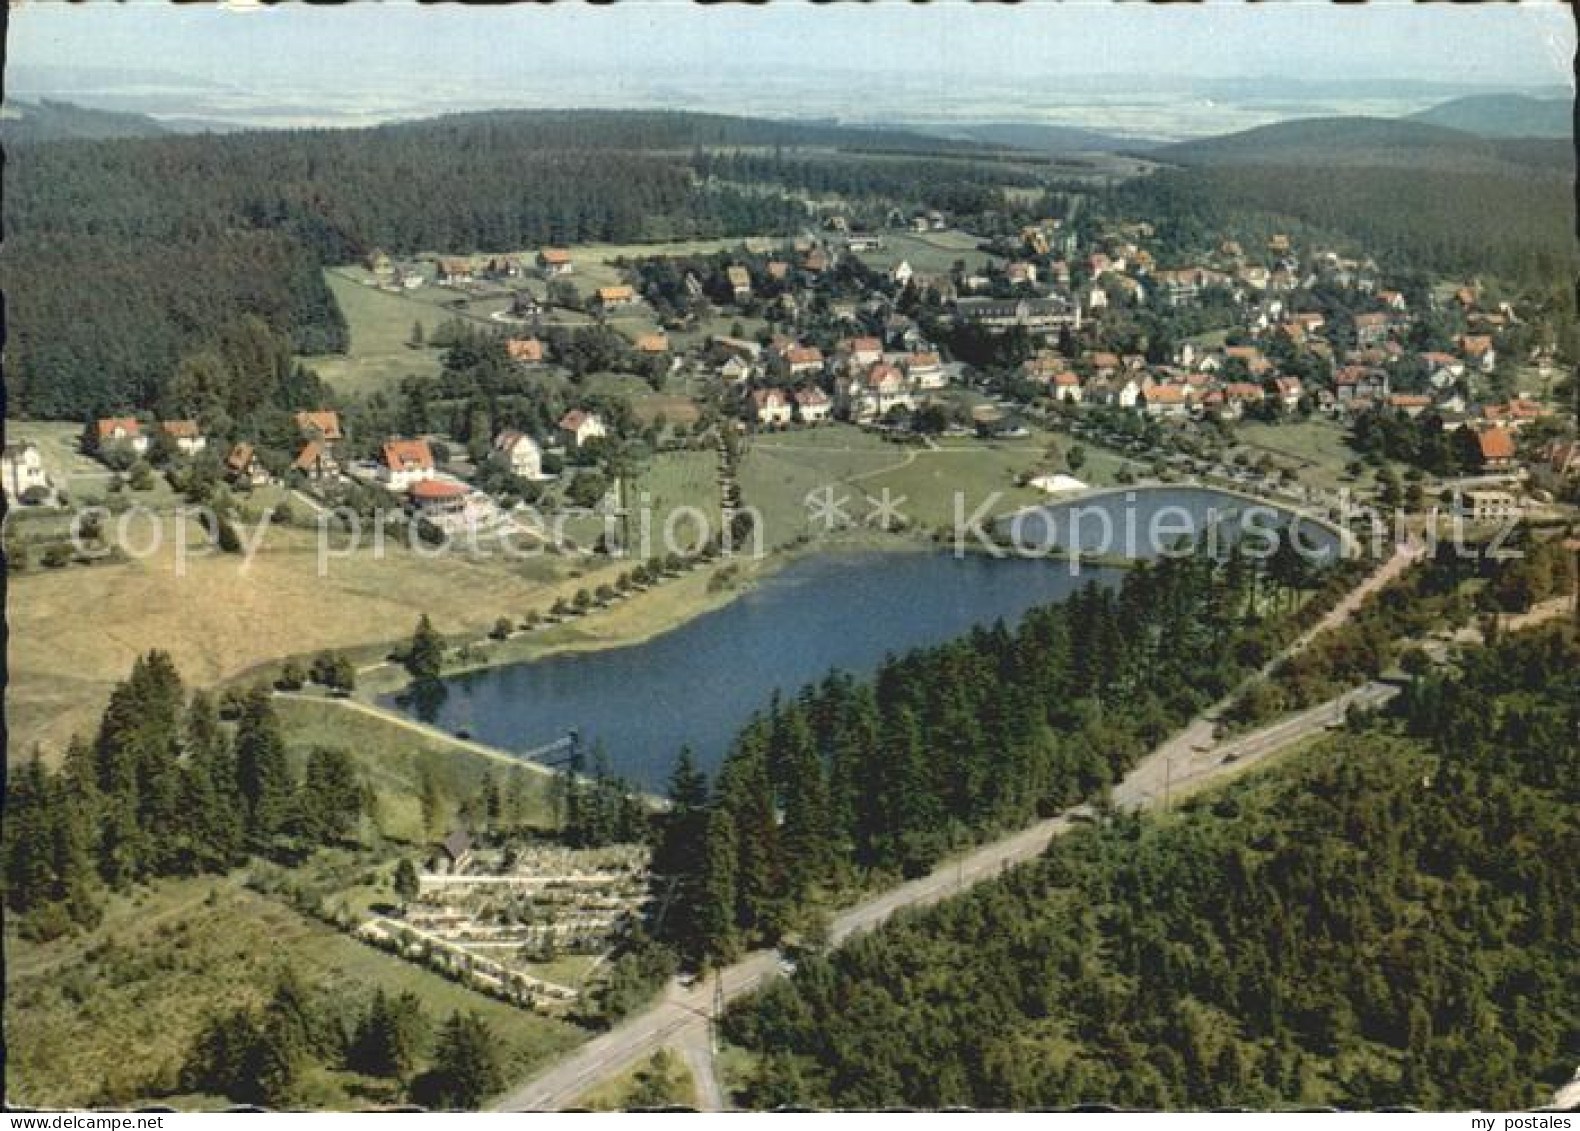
(931, 253)
(781, 470)
(381, 325)
(973, 470)
(83, 478)
(105, 1019)
(394, 758)
(1315, 448)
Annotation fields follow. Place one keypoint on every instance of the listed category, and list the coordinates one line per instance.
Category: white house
(813, 406)
(925, 370)
(555, 261)
(578, 428)
(23, 470)
(1067, 387)
(862, 352)
(519, 454)
(122, 431)
(770, 408)
(185, 434)
(404, 462)
(902, 274)
(244, 466)
(736, 369)
(868, 396)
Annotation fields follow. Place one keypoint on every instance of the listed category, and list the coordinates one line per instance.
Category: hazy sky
(369, 45)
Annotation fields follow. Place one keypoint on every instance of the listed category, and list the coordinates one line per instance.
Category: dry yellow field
(76, 631)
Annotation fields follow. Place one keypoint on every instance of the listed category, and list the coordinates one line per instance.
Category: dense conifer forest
(1389, 919)
(1517, 225)
(122, 256)
(857, 780)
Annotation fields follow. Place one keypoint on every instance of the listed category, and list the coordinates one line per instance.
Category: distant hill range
(1037, 137)
(1374, 143)
(1503, 115)
(48, 120)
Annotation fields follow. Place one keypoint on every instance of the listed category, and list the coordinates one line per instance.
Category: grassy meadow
(75, 631)
(105, 1018)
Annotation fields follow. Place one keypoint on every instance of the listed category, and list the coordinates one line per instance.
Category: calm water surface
(700, 682)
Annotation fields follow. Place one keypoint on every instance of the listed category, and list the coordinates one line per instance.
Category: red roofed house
(1411, 404)
(1478, 348)
(926, 370)
(555, 261)
(525, 351)
(452, 271)
(868, 396)
(1067, 387)
(185, 434)
(653, 344)
(812, 405)
(616, 296)
(578, 428)
(1496, 446)
(1356, 382)
(769, 408)
(446, 503)
(316, 461)
(243, 466)
(1165, 400)
(404, 462)
(122, 431)
(799, 360)
(1371, 329)
(322, 424)
(863, 351)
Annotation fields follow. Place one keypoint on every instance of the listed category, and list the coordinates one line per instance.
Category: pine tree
(29, 837)
(136, 758)
(681, 852)
(333, 796)
(407, 883)
(425, 655)
(262, 771)
(390, 1036)
(466, 1068)
(214, 817)
(807, 833)
(716, 913)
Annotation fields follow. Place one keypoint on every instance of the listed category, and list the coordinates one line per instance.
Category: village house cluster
(1034, 324)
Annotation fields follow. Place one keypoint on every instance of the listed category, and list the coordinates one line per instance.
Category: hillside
(123, 256)
(1503, 115)
(1369, 143)
(48, 120)
(1386, 919)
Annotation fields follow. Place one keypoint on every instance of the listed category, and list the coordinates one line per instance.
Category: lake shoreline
(664, 612)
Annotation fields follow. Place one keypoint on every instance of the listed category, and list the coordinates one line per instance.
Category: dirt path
(431, 732)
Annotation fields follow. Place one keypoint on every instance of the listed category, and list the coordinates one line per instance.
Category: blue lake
(698, 683)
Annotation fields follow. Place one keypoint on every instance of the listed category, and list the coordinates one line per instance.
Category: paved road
(1190, 759)
(681, 1016)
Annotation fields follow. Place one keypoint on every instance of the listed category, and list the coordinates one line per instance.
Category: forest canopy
(1390, 919)
(122, 256)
